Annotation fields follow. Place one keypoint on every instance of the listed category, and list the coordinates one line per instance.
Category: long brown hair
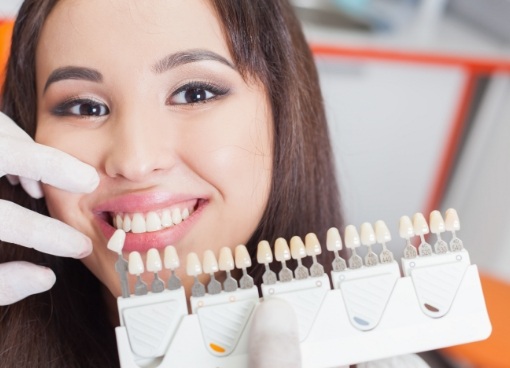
(67, 327)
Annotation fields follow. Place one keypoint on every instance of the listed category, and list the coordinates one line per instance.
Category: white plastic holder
(331, 338)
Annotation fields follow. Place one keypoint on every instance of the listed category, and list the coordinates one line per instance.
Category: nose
(138, 150)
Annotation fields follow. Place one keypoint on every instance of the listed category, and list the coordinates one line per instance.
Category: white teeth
(118, 221)
(264, 254)
(226, 260)
(313, 247)
(243, 259)
(176, 216)
(153, 222)
(138, 224)
(297, 248)
(166, 218)
(367, 234)
(333, 240)
(382, 232)
(116, 242)
(126, 224)
(171, 259)
(185, 214)
(135, 263)
(153, 261)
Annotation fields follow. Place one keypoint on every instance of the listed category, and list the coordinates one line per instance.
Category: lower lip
(157, 239)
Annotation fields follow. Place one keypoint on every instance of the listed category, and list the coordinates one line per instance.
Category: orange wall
(5, 43)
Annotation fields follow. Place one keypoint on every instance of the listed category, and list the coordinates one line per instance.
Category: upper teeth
(151, 221)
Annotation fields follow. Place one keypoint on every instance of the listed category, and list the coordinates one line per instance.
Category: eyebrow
(168, 62)
(73, 72)
(185, 57)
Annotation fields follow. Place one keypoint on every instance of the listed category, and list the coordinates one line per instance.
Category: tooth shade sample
(226, 260)
(116, 242)
(153, 222)
(210, 264)
(405, 228)
(264, 254)
(153, 261)
(243, 259)
(436, 222)
(382, 233)
(138, 224)
(351, 237)
(281, 250)
(367, 234)
(313, 247)
(420, 224)
(452, 220)
(171, 259)
(193, 267)
(333, 240)
(135, 263)
(297, 248)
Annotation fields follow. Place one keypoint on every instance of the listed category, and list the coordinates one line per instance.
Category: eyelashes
(81, 107)
(196, 92)
(189, 95)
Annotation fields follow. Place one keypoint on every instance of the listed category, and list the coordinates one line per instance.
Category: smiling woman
(202, 120)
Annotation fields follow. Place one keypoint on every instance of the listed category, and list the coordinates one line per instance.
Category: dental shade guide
(115, 244)
(265, 256)
(406, 231)
(136, 268)
(383, 236)
(172, 262)
(421, 228)
(210, 265)
(437, 302)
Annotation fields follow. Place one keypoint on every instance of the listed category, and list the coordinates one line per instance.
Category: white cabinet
(390, 123)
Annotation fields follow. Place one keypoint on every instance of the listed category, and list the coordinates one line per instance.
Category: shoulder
(408, 361)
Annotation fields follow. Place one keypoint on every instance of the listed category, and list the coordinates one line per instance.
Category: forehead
(127, 30)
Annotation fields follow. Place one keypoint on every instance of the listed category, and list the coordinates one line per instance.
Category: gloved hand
(274, 336)
(26, 162)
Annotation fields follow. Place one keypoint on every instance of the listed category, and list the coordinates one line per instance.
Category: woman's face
(147, 93)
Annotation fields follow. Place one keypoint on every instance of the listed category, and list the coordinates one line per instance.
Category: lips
(151, 220)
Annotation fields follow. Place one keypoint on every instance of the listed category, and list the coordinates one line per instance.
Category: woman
(216, 101)
(193, 123)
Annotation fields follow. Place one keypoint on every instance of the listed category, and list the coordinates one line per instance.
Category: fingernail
(92, 179)
(85, 249)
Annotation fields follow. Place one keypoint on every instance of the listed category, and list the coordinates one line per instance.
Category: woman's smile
(150, 220)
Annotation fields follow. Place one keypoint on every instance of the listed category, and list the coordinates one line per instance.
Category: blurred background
(417, 94)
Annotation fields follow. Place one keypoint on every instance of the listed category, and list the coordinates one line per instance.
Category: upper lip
(143, 202)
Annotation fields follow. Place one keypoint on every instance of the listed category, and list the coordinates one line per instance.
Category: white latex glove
(27, 162)
(274, 336)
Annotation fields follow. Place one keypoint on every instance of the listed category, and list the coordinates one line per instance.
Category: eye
(196, 92)
(82, 107)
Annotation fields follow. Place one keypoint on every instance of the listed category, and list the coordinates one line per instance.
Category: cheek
(66, 207)
(81, 143)
(236, 153)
